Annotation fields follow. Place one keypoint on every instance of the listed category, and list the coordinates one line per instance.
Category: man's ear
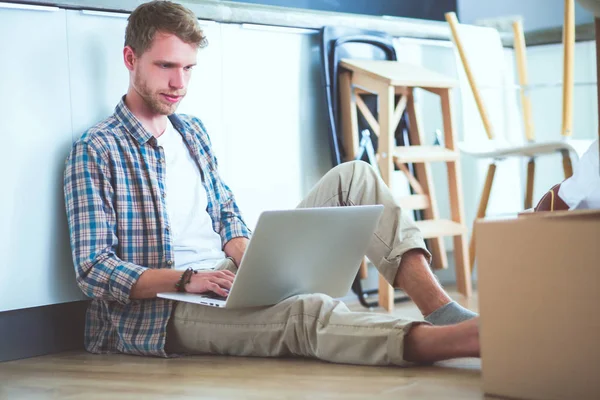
(129, 57)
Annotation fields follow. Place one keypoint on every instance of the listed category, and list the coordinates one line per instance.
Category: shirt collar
(135, 127)
(131, 123)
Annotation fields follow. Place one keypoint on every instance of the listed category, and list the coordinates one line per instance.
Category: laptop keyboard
(215, 296)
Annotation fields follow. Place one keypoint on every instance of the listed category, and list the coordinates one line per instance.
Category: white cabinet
(35, 129)
(97, 75)
(273, 116)
(257, 90)
(205, 91)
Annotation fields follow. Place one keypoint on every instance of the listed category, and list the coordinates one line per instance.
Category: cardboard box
(539, 300)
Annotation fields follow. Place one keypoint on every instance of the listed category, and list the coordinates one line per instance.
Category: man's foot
(426, 344)
(451, 313)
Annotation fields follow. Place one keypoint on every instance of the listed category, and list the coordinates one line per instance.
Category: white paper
(582, 190)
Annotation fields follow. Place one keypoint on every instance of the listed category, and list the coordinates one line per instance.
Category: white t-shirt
(195, 242)
(582, 190)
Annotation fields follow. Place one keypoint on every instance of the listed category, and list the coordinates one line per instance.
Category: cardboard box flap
(574, 214)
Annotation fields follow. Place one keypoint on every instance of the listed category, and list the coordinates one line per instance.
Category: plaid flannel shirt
(114, 187)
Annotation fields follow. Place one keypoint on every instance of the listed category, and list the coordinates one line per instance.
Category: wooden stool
(386, 79)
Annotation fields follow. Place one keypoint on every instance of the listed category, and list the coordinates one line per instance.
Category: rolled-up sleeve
(232, 224)
(91, 217)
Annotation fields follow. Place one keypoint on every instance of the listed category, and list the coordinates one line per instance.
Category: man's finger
(224, 283)
(227, 273)
(215, 288)
(230, 277)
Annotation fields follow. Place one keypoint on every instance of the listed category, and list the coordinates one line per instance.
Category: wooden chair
(387, 80)
(471, 43)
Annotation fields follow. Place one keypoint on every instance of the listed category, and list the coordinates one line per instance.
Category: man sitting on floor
(145, 202)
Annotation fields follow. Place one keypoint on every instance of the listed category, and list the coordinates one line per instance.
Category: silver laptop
(299, 251)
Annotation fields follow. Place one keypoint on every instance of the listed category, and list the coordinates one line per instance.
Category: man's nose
(177, 79)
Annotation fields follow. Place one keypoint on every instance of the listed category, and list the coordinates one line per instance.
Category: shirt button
(164, 194)
(161, 160)
(170, 262)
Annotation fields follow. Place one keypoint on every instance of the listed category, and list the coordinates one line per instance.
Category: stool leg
(455, 191)
(348, 116)
(424, 176)
(567, 166)
(386, 166)
(483, 203)
(363, 271)
(530, 180)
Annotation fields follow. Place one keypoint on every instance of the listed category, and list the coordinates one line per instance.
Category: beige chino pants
(313, 325)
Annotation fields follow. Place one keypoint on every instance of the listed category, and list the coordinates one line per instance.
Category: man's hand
(218, 282)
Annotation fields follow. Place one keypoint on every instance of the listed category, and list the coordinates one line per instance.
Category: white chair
(594, 7)
(481, 54)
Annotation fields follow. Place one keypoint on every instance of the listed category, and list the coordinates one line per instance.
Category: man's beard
(154, 100)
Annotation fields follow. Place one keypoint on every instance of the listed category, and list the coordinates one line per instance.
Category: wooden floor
(81, 375)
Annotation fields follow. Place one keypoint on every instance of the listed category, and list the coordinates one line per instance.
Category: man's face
(161, 74)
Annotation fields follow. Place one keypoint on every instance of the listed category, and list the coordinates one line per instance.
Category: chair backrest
(489, 72)
(338, 43)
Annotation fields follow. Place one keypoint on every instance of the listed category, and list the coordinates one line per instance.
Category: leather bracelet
(185, 278)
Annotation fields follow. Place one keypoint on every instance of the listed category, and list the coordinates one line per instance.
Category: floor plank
(82, 375)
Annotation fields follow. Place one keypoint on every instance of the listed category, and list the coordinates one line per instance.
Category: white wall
(537, 14)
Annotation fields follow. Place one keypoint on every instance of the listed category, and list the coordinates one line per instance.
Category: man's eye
(189, 68)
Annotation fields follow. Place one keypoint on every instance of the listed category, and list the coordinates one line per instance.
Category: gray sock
(451, 313)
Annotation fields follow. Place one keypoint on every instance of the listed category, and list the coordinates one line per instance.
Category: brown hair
(162, 16)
